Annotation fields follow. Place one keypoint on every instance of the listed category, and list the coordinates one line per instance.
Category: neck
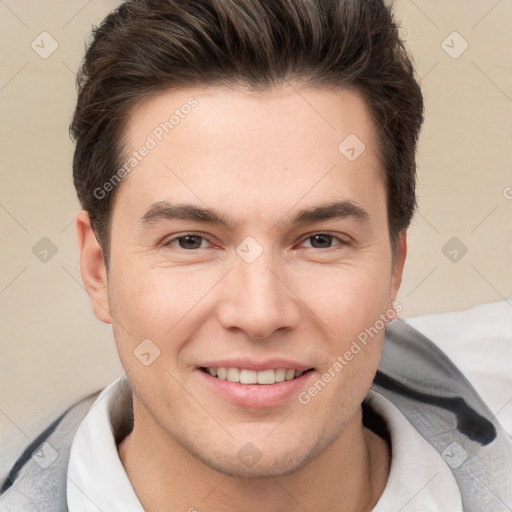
(349, 476)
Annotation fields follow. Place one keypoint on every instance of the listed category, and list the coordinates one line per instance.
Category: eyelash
(342, 242)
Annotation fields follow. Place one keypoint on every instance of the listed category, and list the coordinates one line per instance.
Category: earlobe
(92, 267)
(398, 265)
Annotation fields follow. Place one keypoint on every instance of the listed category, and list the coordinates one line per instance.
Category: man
(247, 176)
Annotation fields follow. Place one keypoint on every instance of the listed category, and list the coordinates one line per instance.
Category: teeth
(290, 374)
(266, 377)
(248, 377)
(233, 375)
(244, 376)
(280, 375)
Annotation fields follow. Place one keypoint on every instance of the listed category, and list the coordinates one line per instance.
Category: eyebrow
(168, 211)
(335, 210)
(164, 210)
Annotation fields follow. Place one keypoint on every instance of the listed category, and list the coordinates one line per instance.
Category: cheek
(349, 304)
(160, 303)
(347, 298)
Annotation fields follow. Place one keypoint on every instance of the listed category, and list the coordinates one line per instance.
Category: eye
(324, 241)
(189, 241)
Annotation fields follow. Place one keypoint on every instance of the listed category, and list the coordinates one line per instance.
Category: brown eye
(190, 241)
(321, 241)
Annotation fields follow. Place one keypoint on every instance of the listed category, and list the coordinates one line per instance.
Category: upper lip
(253, 364)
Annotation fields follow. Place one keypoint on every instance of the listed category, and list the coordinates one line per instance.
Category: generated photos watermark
(152, 140)
(356, 347)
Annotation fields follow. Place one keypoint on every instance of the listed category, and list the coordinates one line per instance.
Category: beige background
(52, 348)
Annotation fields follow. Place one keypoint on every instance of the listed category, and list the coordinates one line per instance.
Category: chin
(277, 465)
(261, 459)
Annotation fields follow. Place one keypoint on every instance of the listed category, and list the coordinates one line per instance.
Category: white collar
(97, 480)
(419, 479)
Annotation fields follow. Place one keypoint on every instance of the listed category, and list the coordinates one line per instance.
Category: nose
(258, 300)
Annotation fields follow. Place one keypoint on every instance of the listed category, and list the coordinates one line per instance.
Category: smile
(245, 376)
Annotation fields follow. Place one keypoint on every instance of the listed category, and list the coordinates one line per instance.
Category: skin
(257, 159)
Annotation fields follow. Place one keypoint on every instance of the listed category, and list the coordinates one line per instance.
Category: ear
(92, 267)
(398, 265)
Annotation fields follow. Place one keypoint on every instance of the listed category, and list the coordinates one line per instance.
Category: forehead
(238, 147)
(216, 110)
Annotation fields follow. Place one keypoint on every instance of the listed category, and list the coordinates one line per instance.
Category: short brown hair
(146, 46)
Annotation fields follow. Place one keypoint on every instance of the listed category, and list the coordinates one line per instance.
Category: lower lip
(255, 395)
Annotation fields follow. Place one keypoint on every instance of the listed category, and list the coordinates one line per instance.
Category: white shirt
(419, 479)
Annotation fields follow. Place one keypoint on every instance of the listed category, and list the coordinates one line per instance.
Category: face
(249, 236)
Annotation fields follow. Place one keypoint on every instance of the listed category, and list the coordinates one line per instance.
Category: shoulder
(423, 383)
(37, 480)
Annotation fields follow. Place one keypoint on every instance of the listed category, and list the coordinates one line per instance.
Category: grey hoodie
(413, 374)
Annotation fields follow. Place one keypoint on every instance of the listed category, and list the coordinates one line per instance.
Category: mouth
(246, 376)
